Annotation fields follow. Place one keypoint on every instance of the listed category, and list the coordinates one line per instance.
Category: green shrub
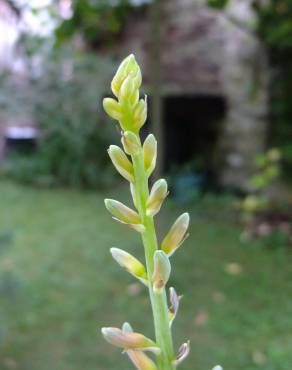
(73, 133)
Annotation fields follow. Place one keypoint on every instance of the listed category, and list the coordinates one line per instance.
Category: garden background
(218, 79)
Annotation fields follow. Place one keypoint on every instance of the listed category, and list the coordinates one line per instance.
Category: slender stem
(158, 300)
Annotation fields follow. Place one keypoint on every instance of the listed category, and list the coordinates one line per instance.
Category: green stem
(158, 300)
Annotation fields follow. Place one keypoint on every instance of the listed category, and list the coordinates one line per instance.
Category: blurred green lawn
(58, 286)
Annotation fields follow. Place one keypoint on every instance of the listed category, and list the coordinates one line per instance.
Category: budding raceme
(128, 110)
(150, 153)
(130, 263)
(131, 142)
(121, 162)
(129, 340)
(162, 269)
(176, 235)
(124, 214)
(157, 195)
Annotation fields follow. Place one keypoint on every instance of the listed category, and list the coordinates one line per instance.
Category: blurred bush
(74, 134)
(264, 217)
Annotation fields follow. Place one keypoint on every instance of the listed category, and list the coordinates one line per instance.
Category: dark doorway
(191, 129)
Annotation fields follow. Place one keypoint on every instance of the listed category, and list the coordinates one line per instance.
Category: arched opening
(191, 126)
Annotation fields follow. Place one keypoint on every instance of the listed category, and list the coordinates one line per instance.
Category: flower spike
(136, 162)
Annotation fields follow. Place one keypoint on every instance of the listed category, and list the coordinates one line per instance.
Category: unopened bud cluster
(135, 161)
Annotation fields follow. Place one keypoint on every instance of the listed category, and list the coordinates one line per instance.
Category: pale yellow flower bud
(129, 341)
(157, 195)
(141, 361)
(121, 162)
(112, 108)
(130, 263)
(176, 235)
(183, 353)
(162, 269)
(140, 113)
(150, 153)
(128, 92)
(124, 214)
(128, 65)
(131, 142)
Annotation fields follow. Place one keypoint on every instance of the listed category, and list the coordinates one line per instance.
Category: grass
(58, 286)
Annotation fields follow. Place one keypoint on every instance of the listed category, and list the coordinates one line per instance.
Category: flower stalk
(136, 163)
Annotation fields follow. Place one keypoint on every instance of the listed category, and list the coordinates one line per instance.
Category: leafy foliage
(217, 4)
(97, 21)
(74, 137)
(275, 29)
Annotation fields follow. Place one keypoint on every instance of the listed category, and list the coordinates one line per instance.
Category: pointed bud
(112, 108)
(140, 113)
(128, 65)
(131, 143)
(150, 153)
(141, 361)
(129, 92)
(130, 263)
(176, 235)
(174, 305)
(129, 340)
(124, 214)
(157, 195)
(162, 269)
(137, 78)
(121, 162)
(182, 353)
